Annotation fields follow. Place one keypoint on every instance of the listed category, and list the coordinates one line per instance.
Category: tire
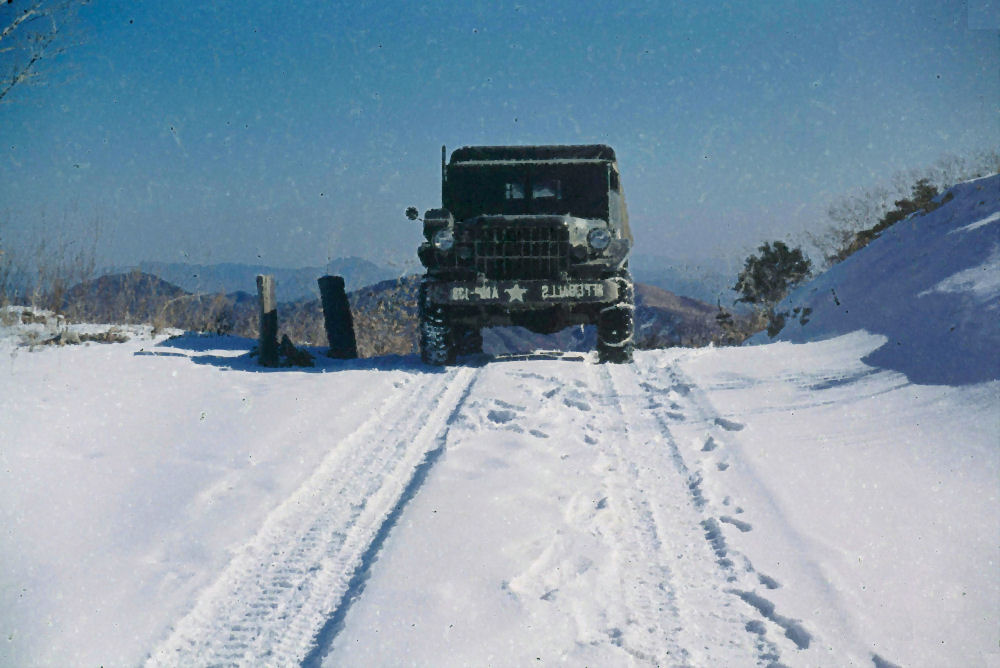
(616, 325)
(468, 340)
(437, 346)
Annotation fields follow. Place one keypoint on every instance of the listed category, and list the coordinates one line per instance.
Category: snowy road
(700, 507)
(630, 565)
(585, 536)
(521, 510)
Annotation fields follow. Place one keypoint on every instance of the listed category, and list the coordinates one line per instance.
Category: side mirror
(412, 213)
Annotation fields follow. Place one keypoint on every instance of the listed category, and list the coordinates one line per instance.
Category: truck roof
(532, 153)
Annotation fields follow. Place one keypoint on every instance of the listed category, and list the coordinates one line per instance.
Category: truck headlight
(599, 238)
(443, 240)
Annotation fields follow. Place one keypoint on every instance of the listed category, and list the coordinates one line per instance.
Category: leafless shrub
(112, 335)
(853, 215)
(38, 271)
(6, 269)
(69, 337)
(738, 327)
(389, 325)
(302, 322)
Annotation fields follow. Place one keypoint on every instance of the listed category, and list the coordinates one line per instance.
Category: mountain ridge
(385, 315)
(291, 283)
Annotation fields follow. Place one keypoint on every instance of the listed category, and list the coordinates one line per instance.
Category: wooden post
(268, 349)
(337, 318)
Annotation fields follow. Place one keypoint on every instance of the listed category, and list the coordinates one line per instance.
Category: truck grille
(522, 251)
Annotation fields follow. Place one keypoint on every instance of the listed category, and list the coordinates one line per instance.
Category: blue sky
(292, 133)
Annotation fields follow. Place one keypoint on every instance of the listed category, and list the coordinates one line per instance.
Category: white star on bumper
(516, 293)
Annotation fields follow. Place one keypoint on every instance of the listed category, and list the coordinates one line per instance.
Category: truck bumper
(527, 294)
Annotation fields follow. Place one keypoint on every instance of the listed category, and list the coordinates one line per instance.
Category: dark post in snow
(268, 348)
(337, 318)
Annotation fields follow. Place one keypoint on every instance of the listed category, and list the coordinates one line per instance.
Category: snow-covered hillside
(930, 284)
(165, 501)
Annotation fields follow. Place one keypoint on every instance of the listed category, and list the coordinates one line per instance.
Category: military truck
(535, 236)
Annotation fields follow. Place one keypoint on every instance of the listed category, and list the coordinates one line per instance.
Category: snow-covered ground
(716, 507)
(810, 503)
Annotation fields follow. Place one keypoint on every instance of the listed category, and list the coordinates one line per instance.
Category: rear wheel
(616, 324)
(436, 335)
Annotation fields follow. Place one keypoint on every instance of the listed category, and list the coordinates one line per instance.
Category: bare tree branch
(30, 37)
(18, 20)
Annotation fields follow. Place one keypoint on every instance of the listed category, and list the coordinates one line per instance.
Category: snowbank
(930, 284)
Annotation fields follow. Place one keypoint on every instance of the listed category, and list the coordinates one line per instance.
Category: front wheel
(436, 336)
(616, 324)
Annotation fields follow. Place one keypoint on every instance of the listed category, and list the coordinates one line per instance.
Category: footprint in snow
(768, 581)
(501, 416)
(728, 425)
(794, 630)
(682, 389)
(739, 524)
(649, 387)
(505, 588)
(574, 402)
(710, 445)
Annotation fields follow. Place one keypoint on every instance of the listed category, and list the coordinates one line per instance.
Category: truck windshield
(577, 189)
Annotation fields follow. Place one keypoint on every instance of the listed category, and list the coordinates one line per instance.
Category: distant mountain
(664, 319)
(291, 284)
(708, 280)
(132, 297)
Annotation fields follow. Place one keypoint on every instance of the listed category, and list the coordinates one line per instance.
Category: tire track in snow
(708, 628)
(355, 588)
(282, 587)
(651, 635)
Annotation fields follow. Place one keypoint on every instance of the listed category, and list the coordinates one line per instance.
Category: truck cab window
(514, 191)
(550, 188)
